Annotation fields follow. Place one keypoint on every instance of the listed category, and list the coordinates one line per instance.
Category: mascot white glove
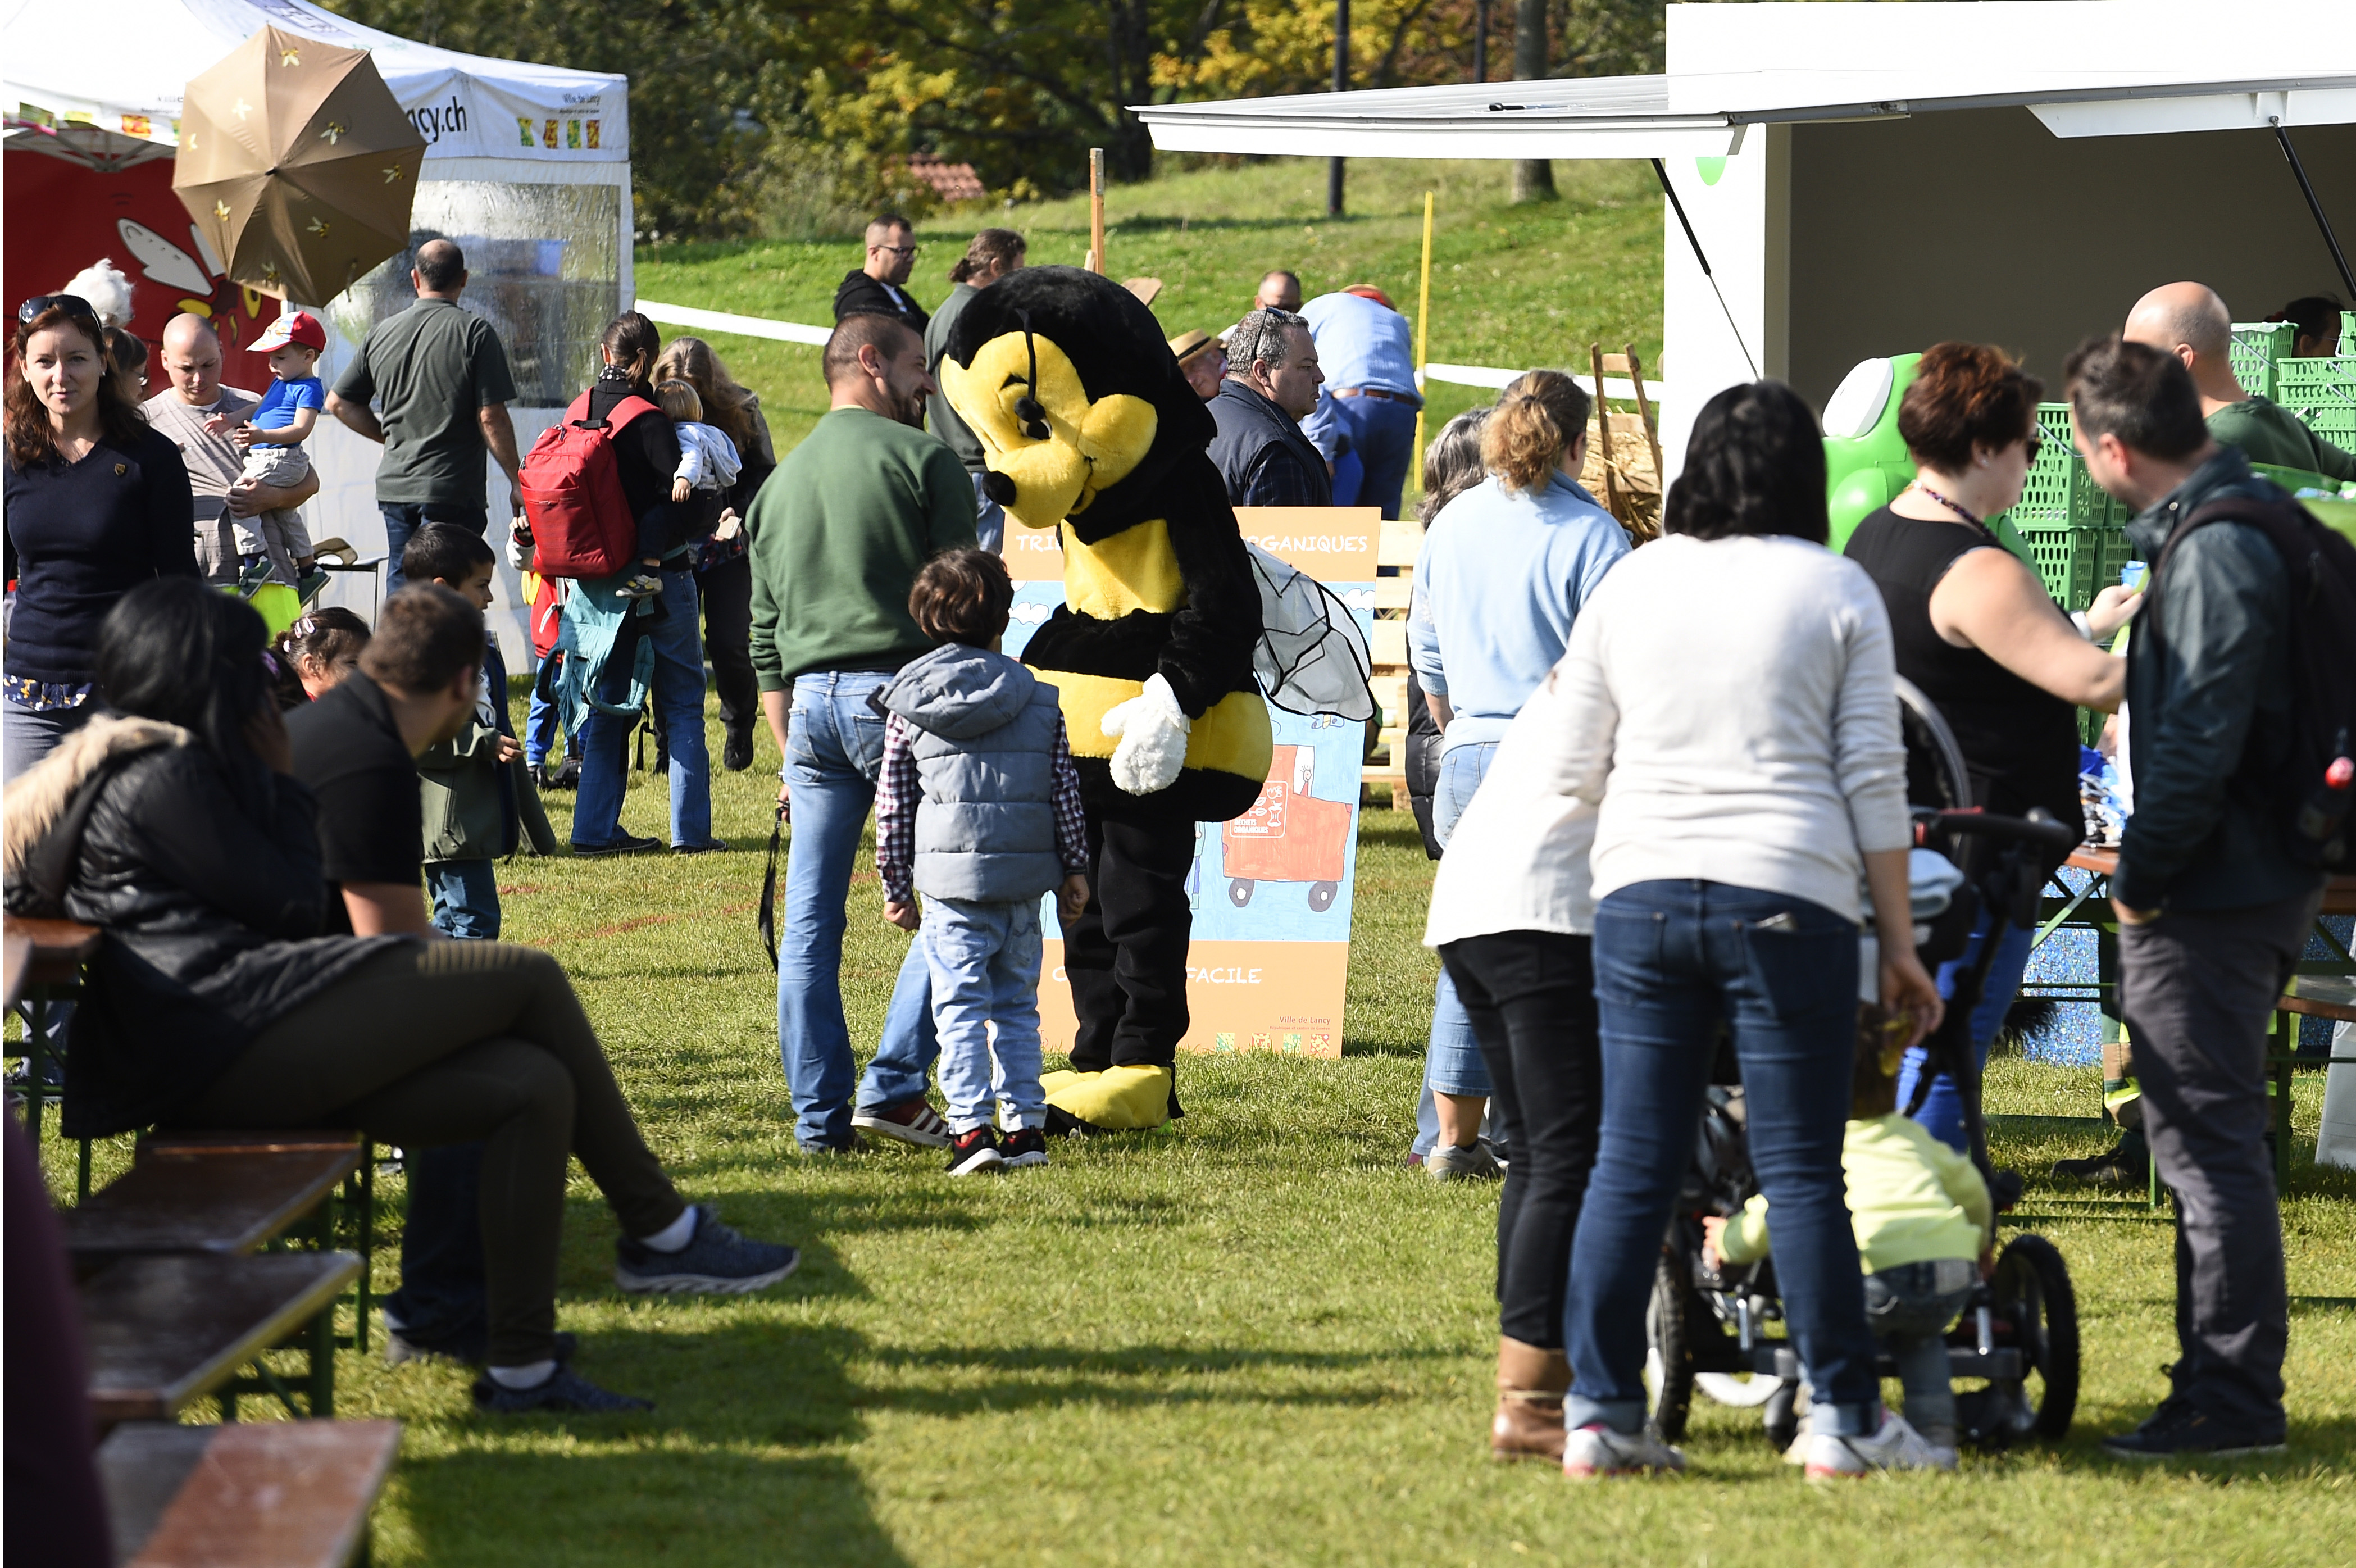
(1151, 728)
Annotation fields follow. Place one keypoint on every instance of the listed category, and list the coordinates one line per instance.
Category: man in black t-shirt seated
(356, 750)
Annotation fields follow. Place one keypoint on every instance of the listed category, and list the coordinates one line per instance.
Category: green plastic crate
(2321, 393)
(2075, 563)
(2259, 346)
(2058, 492)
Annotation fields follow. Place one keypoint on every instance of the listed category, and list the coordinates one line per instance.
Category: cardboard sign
(1272, 890)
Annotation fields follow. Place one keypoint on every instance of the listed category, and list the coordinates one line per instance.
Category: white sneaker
(1474, 1163)
(1896, 1446)
(1596, 1452)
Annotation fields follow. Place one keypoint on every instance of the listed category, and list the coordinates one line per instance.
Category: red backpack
(581, 521)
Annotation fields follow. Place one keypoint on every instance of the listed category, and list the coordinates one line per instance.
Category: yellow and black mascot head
(1089, 428)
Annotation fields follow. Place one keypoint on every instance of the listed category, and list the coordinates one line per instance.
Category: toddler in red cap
(273, 439)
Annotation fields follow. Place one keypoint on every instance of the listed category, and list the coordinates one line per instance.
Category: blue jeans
(984, 962)
(1909, 1308)
(1349, 477)
(1675, 960)
(672, 622)
(540, 728)
(834, 749)
(403, 520)
(465, 898)
(29, 735)
(1382, 434)
(1942, 1109)
(1453, 1063)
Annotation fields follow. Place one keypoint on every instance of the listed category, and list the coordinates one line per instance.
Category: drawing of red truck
(1288, 834)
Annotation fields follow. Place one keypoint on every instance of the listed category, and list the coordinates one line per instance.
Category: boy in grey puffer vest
(978, 808)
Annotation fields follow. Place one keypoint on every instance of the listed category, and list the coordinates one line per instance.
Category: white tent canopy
(119, 66)
(526, 165)
(1870, 179)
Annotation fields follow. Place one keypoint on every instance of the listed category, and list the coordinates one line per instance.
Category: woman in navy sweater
(96, 504)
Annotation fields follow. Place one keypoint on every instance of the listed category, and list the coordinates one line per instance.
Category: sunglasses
(2035, 443)
(73, 305)
(897, 250)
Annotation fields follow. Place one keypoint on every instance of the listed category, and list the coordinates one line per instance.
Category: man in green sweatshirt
(836, 539)
(2189, 321)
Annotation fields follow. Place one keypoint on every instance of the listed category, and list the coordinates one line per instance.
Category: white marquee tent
(526, 166)
(1868, 178)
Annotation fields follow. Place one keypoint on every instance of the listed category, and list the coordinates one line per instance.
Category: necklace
(1951, 505)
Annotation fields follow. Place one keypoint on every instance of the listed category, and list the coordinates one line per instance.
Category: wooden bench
(49, 972)
(286, 1494)
(226, 1193)
(2330, 996)
(165, 1331)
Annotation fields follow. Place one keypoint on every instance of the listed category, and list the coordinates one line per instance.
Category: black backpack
(2309, 790)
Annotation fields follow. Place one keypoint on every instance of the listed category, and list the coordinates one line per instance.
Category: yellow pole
(1422, 337)
(1096, 209)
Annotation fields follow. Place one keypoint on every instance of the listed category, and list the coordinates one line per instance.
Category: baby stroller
(2018, 1337)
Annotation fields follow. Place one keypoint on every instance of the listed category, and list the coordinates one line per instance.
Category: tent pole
(2338, 257)
(1422, 339)
(1686, 224)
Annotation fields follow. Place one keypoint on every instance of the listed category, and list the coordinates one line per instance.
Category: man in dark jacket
(2213, 910)
(880, 287)
(1272, 386)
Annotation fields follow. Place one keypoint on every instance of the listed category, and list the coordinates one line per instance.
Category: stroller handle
(2038, 827)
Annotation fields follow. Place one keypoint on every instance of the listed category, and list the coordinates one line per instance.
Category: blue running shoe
(564, 1391)
(717, 1262)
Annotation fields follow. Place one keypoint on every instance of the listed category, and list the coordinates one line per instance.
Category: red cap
(2341, 774)
(1368, 291)
(295, 327)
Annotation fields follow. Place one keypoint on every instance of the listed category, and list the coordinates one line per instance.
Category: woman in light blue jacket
(1504, 570)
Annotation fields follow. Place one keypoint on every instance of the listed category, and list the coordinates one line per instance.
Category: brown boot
(1530, 1386)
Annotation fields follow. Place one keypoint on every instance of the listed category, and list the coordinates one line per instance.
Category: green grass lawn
(1253, 1337)
(1511, 287)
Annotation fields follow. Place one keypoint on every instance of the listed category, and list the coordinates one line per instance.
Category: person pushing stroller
(1924, 1224)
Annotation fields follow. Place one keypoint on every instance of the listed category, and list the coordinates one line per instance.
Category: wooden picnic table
(44, 970)
(162, 1332)
(286, 1494)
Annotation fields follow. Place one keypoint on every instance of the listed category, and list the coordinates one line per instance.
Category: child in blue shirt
(273, 437)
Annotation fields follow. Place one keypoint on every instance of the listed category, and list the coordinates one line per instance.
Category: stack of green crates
(2259, 347)
(2322, 392)
(2075, 532)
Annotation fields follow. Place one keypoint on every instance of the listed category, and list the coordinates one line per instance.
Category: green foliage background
(782, 120)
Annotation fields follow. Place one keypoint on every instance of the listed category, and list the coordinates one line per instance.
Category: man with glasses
(879, 288)
(218, 487)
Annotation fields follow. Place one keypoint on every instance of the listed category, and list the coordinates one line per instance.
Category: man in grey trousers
(2214, 906)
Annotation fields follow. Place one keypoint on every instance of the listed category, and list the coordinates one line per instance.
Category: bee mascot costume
(1089, 428)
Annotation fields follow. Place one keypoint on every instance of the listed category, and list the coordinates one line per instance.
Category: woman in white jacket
(1726, 706)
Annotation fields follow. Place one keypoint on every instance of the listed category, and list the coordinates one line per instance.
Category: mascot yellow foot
(1118, 1099)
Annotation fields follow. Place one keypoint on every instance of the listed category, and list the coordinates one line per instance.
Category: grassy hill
(1514, 286)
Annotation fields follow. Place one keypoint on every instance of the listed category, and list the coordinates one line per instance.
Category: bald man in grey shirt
(192, 364)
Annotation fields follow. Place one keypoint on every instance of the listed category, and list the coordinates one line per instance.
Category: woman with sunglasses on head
(96, 504)
(1975, 628)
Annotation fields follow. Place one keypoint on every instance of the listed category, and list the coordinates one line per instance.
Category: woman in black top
(724, 576)
(96, 504)
(1975, 628)
(646, 454)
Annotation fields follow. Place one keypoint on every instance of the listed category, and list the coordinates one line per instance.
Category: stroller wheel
(2035, 1310)
(1668, 1363)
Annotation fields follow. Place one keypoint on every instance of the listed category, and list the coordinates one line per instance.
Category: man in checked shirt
(978, 808)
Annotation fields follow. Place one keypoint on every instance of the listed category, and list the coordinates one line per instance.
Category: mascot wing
(1311, 656)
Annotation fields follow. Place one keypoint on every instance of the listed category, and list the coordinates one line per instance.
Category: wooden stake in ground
(1096, 211)
(1422, 339)
(1645, 410)
(1604, 433)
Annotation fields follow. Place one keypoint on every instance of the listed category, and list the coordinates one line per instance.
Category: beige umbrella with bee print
(297, 164)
